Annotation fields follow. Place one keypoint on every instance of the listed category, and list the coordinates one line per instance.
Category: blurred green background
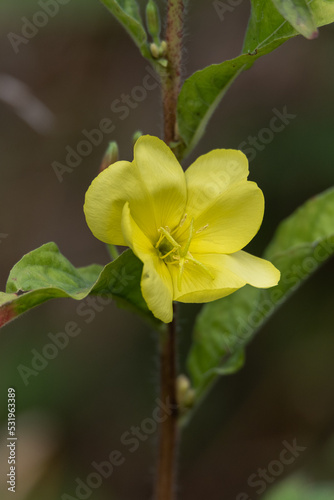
(105, 381)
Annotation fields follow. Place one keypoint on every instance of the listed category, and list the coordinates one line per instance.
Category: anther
(183, 220)
(202, 228)
(186, 248)
(170, 238)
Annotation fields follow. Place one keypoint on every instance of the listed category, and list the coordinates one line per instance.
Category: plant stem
(171, 85)
(171, 76)
(169, 425)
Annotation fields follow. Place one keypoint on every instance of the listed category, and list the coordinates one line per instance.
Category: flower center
(172, 253)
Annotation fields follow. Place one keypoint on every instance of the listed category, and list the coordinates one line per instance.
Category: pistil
(178, 255)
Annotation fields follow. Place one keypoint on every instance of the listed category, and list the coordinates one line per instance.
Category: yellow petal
(228, 274)
(154, 185)
(255, 271)
(156, 284)
(165, 191)
(105, 199)
(227, 209)
(231, 221)
(212, 174)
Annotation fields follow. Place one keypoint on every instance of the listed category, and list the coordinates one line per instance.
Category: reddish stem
(171, 77)
(169, 426)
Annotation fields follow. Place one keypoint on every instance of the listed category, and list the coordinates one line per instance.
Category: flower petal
(212, 174)
(154, 185)
(164, 184)
(227, 209)
(255, 271)
(231, 221)
(156, 283)
(105, 199)
(228, 274)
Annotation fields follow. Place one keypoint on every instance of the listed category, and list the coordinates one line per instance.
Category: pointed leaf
(131, 7)
(267, 27)
(127, 13)
(223, 328)
(298, 14)
(45, 274)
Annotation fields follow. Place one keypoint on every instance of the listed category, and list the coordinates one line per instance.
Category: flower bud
(136, 136)
(110, 156)
(153, 21)
(182, 388)
(163, 48)
(155, 50)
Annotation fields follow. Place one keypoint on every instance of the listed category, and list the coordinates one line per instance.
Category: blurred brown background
(72, 413)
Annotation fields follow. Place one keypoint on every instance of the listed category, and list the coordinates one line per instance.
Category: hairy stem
(171, 76)
(171, 85)
(169, 426)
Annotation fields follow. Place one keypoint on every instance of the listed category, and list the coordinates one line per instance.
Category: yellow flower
(187, 228)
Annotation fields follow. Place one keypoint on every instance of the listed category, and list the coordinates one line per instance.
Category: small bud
(182, 388)
(155, 50)
(185, 394)
(136, 136)
(110, 156)
(163, 48)
(153, 21)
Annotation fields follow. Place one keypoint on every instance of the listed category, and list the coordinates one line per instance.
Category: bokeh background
(105, 381)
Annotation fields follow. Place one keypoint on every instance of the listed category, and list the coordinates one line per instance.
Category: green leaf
(223, 328)
(267, 27)
(202, 92)
(298, 14)
(297, 488)
(45, 274)
(127, 13)
(131, 7)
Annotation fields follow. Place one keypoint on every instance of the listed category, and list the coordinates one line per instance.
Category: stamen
(169, 237)
(168, 253)
(184, 252)
(183, 220)
(160, 239)
(202, 228)
(178, 255)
